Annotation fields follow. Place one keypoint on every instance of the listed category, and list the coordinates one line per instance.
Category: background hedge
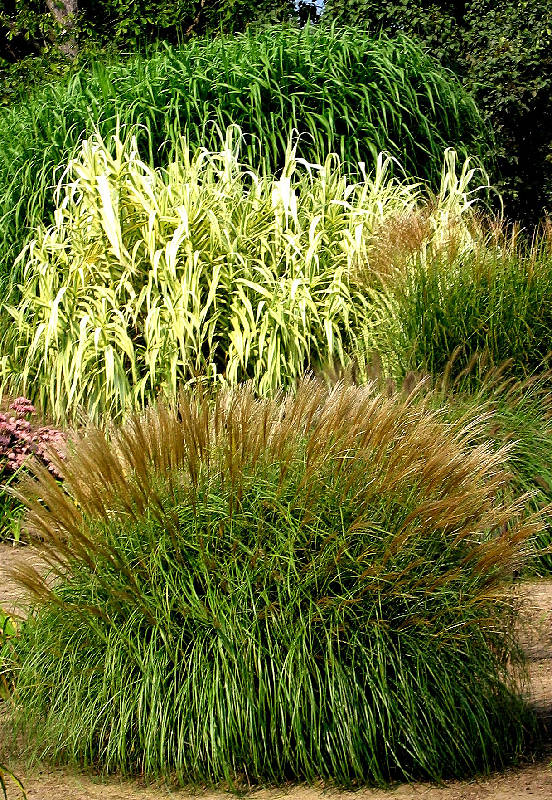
(502, 50)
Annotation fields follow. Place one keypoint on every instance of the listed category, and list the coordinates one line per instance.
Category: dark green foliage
(503, 53)
(22, 25)
(30, 37)
(509, 71)
(345, 92)
(130, 23)
(29, 49)
(241, 600)
(434, 23)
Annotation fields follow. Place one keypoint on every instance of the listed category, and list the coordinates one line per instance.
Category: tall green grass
(150, 278)
(444, 310)
(342, 90)
(268, 590)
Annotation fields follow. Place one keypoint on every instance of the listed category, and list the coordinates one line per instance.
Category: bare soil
(528, 782)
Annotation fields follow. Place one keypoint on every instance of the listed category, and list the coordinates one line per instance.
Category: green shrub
(345, 91)
(502, 52)
(272, 590)
(149, 278)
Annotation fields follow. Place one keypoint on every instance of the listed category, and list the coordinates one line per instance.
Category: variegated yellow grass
(152, 278)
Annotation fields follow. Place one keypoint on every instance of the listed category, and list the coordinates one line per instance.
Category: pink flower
(23, 406)
(19, 440)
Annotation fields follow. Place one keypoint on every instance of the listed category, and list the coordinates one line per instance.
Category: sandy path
(531, 782)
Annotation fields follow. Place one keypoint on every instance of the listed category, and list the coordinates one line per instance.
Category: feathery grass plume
(151, 277)
(521, 415)
(450, 225)
(347, 92)
(261, 590)
(518, 413)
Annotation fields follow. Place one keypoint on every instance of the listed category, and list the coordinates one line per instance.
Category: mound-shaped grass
(265, 590)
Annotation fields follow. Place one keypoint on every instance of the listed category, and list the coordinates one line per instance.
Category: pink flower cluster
(20, 439)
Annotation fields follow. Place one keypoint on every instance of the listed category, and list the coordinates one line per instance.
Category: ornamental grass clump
(521, 414)
(260, 590)
(149, 278)
(491, 300)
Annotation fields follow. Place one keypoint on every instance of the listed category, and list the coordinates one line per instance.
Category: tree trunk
(65, 14)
